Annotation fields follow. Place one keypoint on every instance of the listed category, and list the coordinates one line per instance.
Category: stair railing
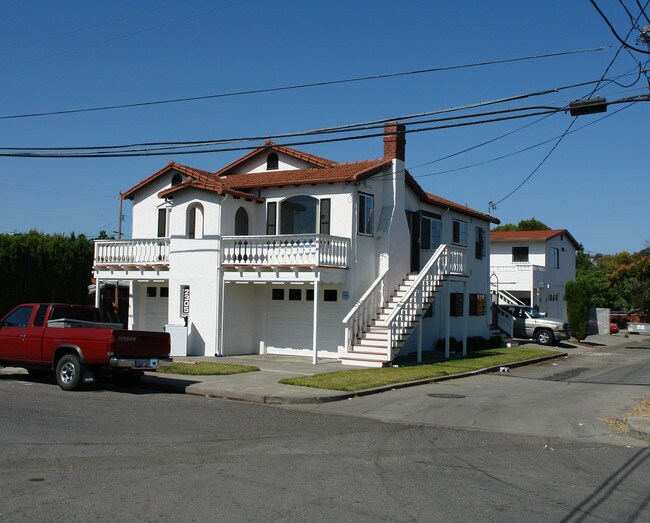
(446, 260)
(506, 321)
(365, 309)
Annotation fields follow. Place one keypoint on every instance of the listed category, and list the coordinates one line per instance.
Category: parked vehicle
(613, 328)
(72, 341)
(530, 323)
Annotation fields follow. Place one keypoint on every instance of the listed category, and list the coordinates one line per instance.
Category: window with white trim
(366, 214)
(555, 258)
(459, 233)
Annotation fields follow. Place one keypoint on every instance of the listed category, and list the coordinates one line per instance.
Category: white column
(131, 305)
(315, 327)
(465, 315)
(221, 300)
(97, 292)
(447, 320)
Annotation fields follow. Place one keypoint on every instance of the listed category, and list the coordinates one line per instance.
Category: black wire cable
(326, 130)
(297, 86)
(523, 150)
(123, 154)
(611, 27)
(642, 8)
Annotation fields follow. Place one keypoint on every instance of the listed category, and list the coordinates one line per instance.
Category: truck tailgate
(141, 344)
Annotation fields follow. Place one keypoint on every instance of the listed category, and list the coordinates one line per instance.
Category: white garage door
(155, 310)
(290, 320)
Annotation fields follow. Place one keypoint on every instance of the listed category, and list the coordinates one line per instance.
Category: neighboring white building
(534, 266)
(285, 252)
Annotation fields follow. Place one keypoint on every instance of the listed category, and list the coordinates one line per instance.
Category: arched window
(177, 179)
(241, 222)
(272, 162)
(298, 215)
(195, 221)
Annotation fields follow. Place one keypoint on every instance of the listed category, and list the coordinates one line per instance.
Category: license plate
(146, 364)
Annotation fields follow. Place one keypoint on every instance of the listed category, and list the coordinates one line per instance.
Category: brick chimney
(394, 141)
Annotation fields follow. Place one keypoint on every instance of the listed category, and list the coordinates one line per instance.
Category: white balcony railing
(286, 250)
(135, 253)
(523, 275)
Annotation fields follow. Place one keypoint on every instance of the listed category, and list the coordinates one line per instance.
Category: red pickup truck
(74, 342)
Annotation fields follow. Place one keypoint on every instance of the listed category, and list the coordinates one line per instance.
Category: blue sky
(78, 54)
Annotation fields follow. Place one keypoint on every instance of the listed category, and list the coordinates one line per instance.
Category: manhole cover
(446, 396)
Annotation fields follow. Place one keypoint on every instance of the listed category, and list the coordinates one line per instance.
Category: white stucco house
(285, 252)
(533, 267)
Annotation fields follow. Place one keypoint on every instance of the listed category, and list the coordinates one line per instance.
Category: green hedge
(37, 267)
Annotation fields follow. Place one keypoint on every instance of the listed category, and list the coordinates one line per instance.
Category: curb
(308, 399)
(639, 428)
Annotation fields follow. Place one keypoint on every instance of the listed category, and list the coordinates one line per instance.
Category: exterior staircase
(379, 324)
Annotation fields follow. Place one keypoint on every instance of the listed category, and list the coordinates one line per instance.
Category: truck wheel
(544, 337)
(68, 372)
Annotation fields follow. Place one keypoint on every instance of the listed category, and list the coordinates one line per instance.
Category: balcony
(522, 276)
(127, 254)
(290, 250)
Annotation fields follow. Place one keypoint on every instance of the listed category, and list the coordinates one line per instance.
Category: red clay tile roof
(442, 202)
(171, 166)
(212, 186)
(531, 235)
(341, 172)
(316, 161)
(327, 172)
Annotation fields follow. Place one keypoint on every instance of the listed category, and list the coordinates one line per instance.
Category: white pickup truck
(530, 323)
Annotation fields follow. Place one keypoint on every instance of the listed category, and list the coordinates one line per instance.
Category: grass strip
(206, 368)
(355, 380)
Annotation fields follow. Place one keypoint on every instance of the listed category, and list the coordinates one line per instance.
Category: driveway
(566, 398)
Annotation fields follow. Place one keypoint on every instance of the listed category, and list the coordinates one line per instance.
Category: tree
(636, 277)
(524, 225)
(577, 294)
(37, 267)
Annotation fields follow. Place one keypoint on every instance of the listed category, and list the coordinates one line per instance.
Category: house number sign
(185, 301)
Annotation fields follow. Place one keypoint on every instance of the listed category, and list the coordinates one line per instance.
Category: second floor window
(163, 222)
(555, 258)
(480, 243)
(520, 255)
(460, 233)
(366, 214)
(298, 215)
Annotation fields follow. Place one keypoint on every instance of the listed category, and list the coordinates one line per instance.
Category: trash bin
(178, 334)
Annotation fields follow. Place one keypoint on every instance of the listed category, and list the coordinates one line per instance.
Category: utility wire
(341, 128)
(611, 28)
(121, 154)
(642, 8)
(94, 26)
(519, 151)
(299, 86)
(146, 29)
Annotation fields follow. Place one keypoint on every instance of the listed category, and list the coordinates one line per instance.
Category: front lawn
(205, 368)
(362, 379)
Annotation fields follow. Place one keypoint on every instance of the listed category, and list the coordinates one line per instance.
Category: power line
(341, 128)
(611, 27)
(519, 151)
(93, 26)
(298, 86)
(146, 29)
(122, 154)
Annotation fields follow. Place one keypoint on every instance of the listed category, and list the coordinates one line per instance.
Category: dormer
(272, 158)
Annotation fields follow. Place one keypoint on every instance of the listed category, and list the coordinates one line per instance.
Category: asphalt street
(567, 398)
(135, 455)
